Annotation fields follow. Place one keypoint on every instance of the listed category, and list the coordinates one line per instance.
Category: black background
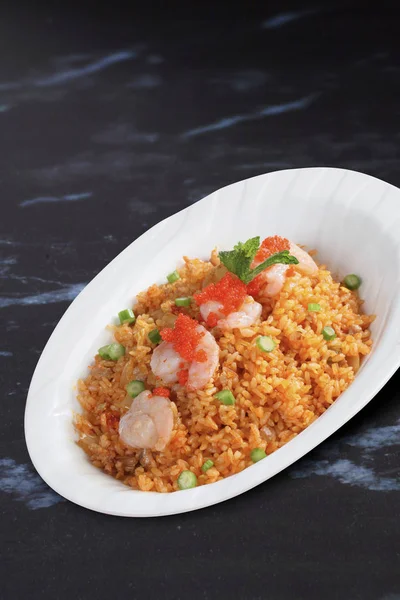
(115, 136)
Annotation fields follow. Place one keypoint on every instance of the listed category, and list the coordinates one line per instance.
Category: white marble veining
(6, 264)
(53, 199)
(347, 472)
(268, 111)
(376, 438)
(68, 75)
(53, 81)
(284, 18)
(358, 473)
(65, 294)
(94, 67)
(25, 485)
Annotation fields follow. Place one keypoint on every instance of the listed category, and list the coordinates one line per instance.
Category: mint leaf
(249, 248)
(238, 261)
(283, 258)
(229, 259)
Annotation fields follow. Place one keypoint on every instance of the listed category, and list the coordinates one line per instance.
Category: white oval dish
(354, 222)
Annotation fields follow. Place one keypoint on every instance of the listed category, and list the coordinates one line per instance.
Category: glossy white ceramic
(354, 222)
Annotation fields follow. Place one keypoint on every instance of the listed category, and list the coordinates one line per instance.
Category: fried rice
(277, 394)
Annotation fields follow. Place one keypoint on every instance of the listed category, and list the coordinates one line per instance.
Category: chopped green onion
(257, 454)
(265, 343)
(115, 351)
(112, 351)
(314, 307)
(328, 333)
(207, 465)
(135, 387)
(226, 397)
(103, 351)
(154, 336)
(172, 277)
(187, 480)
(183, 301)
(126, 316)
(352, 282)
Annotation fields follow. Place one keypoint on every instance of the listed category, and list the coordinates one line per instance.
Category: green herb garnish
(238, 260)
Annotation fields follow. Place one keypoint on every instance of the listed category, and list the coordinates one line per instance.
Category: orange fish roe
(271, 245)
(212, 320)
(230, 292)
(185, 338)
(254, 287)
(201, 356)
(161, 391)
(183, 376)
(291, 271)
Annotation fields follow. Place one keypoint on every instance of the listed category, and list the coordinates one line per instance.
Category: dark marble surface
(110, 123)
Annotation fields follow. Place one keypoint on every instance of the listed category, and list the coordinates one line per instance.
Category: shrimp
(270, 282)
(246, 315)
(176, 361)
(165, 363)
(148, 423)
(226, 304)
(307, 265)
(273, 280)
(200, 373)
